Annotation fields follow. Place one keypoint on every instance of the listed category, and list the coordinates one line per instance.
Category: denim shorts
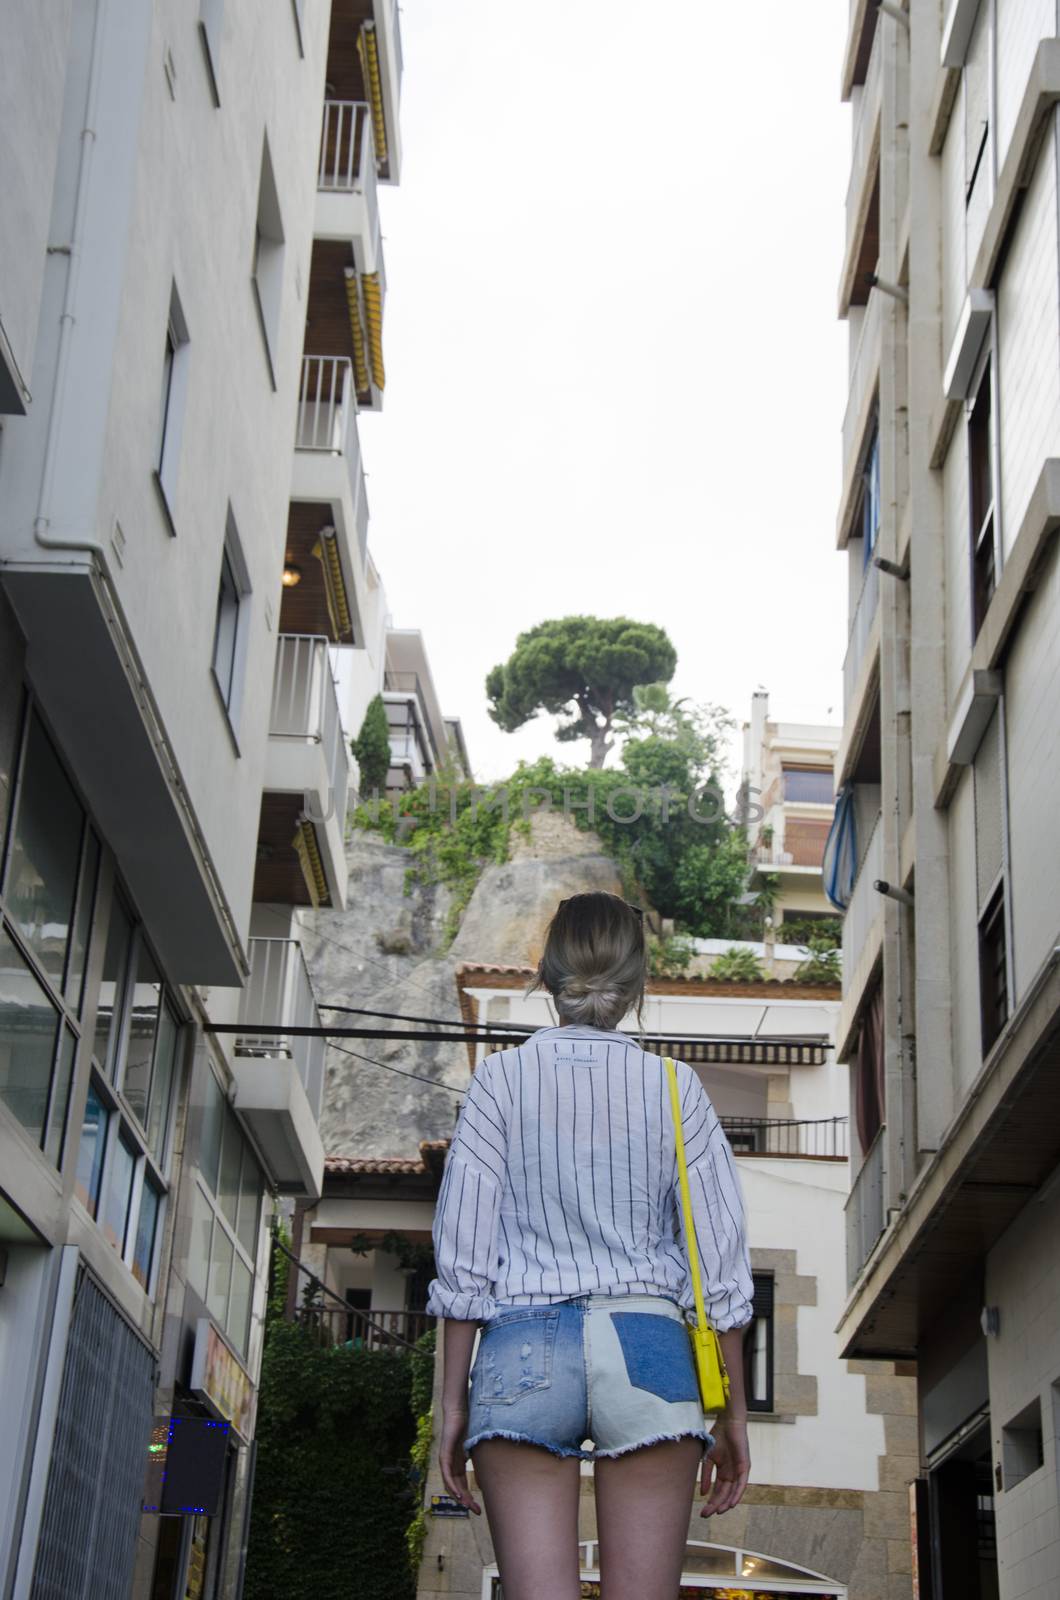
(612, 1371)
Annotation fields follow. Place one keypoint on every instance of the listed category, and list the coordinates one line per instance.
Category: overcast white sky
(615, 377)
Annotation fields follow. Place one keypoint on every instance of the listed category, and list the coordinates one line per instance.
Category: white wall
(1020, 26)
(958, 569)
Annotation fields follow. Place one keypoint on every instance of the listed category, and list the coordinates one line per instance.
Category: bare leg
(643, 1503)
(531, 1501)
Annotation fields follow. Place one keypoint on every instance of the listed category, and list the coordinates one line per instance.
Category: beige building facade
(949, 764)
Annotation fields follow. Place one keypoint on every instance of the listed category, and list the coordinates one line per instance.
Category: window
(870, 498)
(981, 499)
(226, 1215)
(1022, 1445)
(989, 797)
(810, 785)
(229, 637)
(267, 266)
(174, 393)
(50, 871)
(993, 970)
(758, 1346)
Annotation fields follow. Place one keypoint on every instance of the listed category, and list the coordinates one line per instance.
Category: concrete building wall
(1021, 25)
(958, 607)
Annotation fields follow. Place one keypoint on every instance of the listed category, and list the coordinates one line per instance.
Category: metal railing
(865, 116)
(860, 630)
(279, 993)
(865, 902)
(327, 422)
(864, 1209)
(340, 1324)
(864, 379)
(409, 683)
(347, 161)
(816, 1139)
(305, 706)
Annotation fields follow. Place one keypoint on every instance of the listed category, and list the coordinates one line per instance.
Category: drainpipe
(68, 317)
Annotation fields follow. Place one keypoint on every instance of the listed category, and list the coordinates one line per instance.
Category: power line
(436, 1022)
(372, 1062)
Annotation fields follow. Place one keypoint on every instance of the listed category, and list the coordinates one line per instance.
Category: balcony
(279, 1076)
(327, 464)
(347, 207)
(864, 1209)
(301, 848)
(818, 1139)
(862, 633)
(862, 914)
(414, 752)
(863, 190)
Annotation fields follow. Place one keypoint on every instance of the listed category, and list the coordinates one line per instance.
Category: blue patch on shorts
(658, 1354)
(514, 1357)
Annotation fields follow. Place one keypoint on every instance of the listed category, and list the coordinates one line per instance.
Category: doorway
(963, 1532)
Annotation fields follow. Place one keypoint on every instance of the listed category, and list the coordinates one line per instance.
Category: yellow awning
(360, 353)
(368, 50)
(326, 551)
(305, 847)
(373, 312)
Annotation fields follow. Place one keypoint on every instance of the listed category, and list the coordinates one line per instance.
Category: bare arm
(729, 1460)
(458, 1339)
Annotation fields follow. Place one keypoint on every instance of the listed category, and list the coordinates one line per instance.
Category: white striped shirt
(561, 1180)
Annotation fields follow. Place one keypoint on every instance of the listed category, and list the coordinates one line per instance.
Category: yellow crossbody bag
(706, 1350)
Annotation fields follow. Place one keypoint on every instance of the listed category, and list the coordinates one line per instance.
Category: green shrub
(737, 965)
(372, 747)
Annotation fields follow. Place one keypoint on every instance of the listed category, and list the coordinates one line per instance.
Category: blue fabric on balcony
(840, 864)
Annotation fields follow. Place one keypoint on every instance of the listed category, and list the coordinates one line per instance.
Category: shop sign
(220, 1380)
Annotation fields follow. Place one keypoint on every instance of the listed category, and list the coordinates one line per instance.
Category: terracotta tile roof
(431, 1151)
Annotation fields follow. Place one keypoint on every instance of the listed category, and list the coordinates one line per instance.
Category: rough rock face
(383, 953)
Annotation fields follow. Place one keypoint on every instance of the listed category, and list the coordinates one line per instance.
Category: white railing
(347, 164)
(860, 629)
(865, 902)
(305, 707)
(279, 995)
(327, 422)
(865, 115)
(864, 1209)
(864, 379)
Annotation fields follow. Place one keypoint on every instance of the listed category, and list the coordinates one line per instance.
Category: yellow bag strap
(686, 1195)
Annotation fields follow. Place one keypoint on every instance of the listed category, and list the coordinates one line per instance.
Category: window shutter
(989, 811)
(763, 1295)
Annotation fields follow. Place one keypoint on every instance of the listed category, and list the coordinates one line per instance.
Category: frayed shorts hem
(524, 1438)
(703, 1434)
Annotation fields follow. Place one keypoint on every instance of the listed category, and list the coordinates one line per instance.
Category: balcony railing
(865, 903)
(864, 380)
(335, 1324)
(865, 114)
(864, 1209)
(816, 1139)
(860, 630)
(305, 707)
(327, 423)
(279, 995)
(347, 161)
(408, 683)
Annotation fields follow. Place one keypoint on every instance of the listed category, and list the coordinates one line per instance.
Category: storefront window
(112, 985)
(91, 1151)
(226, 1213)
(29, 1025)
(41, 879)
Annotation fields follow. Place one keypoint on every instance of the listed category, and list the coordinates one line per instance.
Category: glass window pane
(239, 1306)
(162, 1083)
(45, 850)
(199, 1242)
(143, 1025)
(56, 1136)
(249, 1204)
(213, 1121)
(28, 1028)
(146, 1227)
(90, 1154)
(220, 1275)
(112, 984)
(73, 990)
(228, 1185)
(115, 1218)
(224, 644)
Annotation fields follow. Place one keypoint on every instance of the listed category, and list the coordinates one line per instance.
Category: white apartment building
(191, 299)
(787, 776)
(950, 762)
(830, 1439)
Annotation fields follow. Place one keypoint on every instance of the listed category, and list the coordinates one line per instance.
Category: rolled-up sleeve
(717, 1210)
(468, 1209)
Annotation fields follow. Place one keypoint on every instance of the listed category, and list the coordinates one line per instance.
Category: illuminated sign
(220, 1380)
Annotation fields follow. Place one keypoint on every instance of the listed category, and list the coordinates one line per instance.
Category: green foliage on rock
(422, 1389)
(669, 958)
(587, 667)
(372, 747)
